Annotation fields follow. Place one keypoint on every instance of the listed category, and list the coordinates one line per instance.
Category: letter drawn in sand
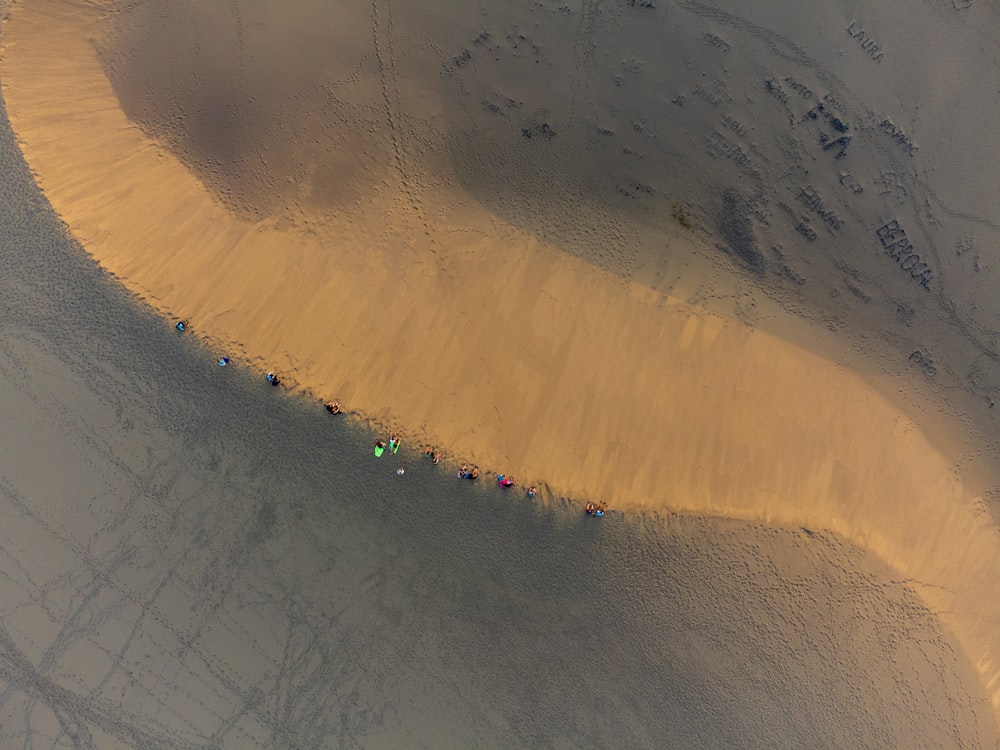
(850, 182)
(735, 125)
(720, 146)
(897, 134)
(923, 362)
(843, 142)
(716, 41)
(811, 199)
(865, 42)
(804, 91)
(776, 91)
(898, 247)
(799, 223)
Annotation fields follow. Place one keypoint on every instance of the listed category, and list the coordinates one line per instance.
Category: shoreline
(729, 421)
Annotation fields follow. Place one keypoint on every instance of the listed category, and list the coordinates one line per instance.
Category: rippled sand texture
(617, 247)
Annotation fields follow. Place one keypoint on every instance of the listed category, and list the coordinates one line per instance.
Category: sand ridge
(443, 301)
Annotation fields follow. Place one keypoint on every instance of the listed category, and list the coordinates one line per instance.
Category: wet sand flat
(638, 287)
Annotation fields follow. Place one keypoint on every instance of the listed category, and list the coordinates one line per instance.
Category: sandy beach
(677, 257)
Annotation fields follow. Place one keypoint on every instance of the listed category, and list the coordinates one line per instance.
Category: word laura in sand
(866, 43)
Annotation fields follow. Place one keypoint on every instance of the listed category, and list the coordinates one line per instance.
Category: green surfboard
(379, 450)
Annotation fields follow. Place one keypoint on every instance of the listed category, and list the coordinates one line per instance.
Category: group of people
(466, 472)
(506, 482)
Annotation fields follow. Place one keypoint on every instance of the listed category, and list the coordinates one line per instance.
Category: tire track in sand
(386, 58)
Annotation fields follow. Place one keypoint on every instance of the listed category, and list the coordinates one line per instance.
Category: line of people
(466, 472)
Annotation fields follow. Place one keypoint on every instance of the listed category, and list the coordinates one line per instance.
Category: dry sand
(606, 247)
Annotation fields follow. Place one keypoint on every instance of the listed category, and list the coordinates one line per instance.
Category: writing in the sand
(776, 91)
(804, 91)
(850, 182)
(713, 96)
(801, 224)
(840, 144)
(809, 198)
(805, 230)
(735, 125)
(719, 146)
(923, 362)
(716, 41)
(898, 247)
(897, 135)
(865, 42)
(820, 114)
(833, 101)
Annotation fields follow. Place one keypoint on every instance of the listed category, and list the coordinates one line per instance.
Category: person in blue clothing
(223, 361)
(273, 379)
(182, 325)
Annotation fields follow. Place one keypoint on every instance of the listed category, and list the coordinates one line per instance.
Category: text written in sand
(898, 247)
(776, 91)
(716, 41)
(721, 147)
(800, 223)
(923, 362)
(809, 198)
(823, 114)
(865, 42)
(735, 125)
(804, 91)
(897, 135)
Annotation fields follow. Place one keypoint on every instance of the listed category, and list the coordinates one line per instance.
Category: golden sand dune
(660, 254)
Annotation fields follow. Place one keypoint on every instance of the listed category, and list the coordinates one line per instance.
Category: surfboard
(379, 449)
(395, 447)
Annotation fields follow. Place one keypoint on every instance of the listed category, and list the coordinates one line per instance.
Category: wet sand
(656, 286)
